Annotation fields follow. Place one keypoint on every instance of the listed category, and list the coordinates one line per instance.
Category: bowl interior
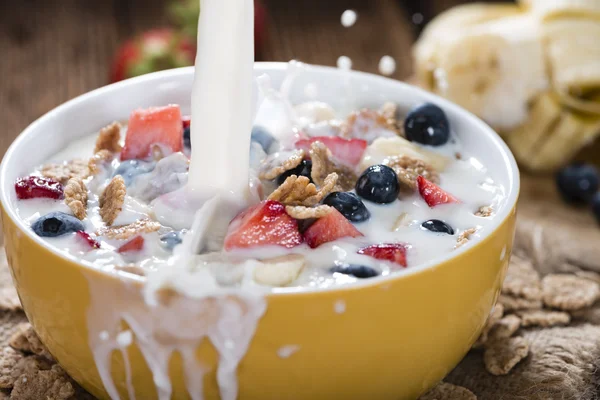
(344, 90)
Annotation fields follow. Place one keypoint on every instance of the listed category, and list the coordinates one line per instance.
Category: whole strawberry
(155, 50)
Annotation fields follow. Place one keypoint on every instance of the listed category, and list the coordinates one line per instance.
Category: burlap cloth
(562, 362)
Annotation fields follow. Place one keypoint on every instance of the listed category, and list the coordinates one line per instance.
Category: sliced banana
(386, 147)
(552, 9)
(279, 271)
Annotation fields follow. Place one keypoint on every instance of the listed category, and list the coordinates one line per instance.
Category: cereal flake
(522, 280)
(76, 197)
(124, 232)
(402, 221)
(298, 191)
(324, 164)
(51, 383)
(502, 355)
(9, 359)
(26, 340)
(278, 163)
(484, 212)
(112, 199)
(448, 391)
(512, 303)
(408, 170)
(569, 292)
(62, 172)
(464, 237)
(505, 328)
(99, 160)
(109, 138)
(544, 318)
(368, 124)
(302, 212)
(493, 318)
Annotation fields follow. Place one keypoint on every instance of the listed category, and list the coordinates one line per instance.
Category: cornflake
(64, 171)
(408, 170)
(448, 391)
(324, 164)
(76, 197)
(502, 355)
(298, 191)
(112, 199)
(367, 124)
(278, 163)
(512, 303)
(26, 340)
(484, 212)
(464, 237)
(124, 232)
(522, 280)
(109, 138)
(302, 212)
(505, 328)
(99, 160)
(544, 318)
(569, 292)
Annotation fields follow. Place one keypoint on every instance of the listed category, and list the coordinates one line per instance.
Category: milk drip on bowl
(194, 307)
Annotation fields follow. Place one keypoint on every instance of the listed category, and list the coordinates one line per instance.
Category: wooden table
(54, 50)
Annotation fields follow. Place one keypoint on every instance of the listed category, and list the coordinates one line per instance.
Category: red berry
(394, 252)
(347, 151)
(136, 244)
(32, 187)
(264, 224)
(331, 227)
(87, 239)
(433, 194)
(186, 120)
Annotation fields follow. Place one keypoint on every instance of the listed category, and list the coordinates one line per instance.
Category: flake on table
(502, 355)
(569, 292)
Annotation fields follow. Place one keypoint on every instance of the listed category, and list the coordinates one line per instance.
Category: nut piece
(124, 232)
(512, 303)
(408, 170)
(98, 160)
(569, 292)
(112, 199)
(109, 138)
(279, 271)
(278, 163)
(448, 391)
(301, 212)
(502, 355)
(76, 197)
(505, 328)
(64, 171)
(544, 318)
(298, 191)
(464, 237)
(324, 164)
(522, 280)
(485, 211)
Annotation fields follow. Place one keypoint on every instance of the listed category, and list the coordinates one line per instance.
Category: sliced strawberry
(135, 244)
(329, 228)
(265, 224)
(87, 239)
(347, 151)
(32, 187)
(394, 252)
(156, 125)
(433, 194)
(186, 120)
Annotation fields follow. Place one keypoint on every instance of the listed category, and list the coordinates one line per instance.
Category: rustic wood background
(54, 50)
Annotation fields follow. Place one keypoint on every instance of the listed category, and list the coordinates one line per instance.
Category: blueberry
(435, 225)
(427, 124)
(349, 204)
(379, 184)
(304, 169)
(358, 271)
(577, 183)
(596, 206)
(187, 141)
(262, 137)
(172, 239)
(56, 224)
(132, 168)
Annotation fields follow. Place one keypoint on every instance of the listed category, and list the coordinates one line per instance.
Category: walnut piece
(324, 164)
(76, 197)
(109, 138)
(64, 171)
(112, 199)
(408, 170)
(298, 191)
(124, 232)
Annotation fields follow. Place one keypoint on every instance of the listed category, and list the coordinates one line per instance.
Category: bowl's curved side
(391, 340)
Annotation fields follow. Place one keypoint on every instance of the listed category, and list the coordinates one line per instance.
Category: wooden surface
(54, 50)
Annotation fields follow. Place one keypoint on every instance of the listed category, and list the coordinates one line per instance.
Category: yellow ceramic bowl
(396, 337)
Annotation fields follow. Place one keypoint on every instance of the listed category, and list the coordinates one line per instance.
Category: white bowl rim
(487, 132)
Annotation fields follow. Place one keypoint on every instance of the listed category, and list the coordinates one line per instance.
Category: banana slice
(551, 9)
(279, 271)
(386, 147)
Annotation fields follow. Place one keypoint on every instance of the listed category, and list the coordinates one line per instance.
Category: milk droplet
(288, 350)
(348, 18)
(339, 306)
(124, 339)
(387, 65)
(344, 63)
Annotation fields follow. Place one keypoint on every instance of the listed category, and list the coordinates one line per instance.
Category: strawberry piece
(433, 194)
(156, 125)
(186, 120)
(87, 239)
(394, 252)
(331, 227)
(266, 223)
(135, 244)
(32, 187)
(347, 151)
